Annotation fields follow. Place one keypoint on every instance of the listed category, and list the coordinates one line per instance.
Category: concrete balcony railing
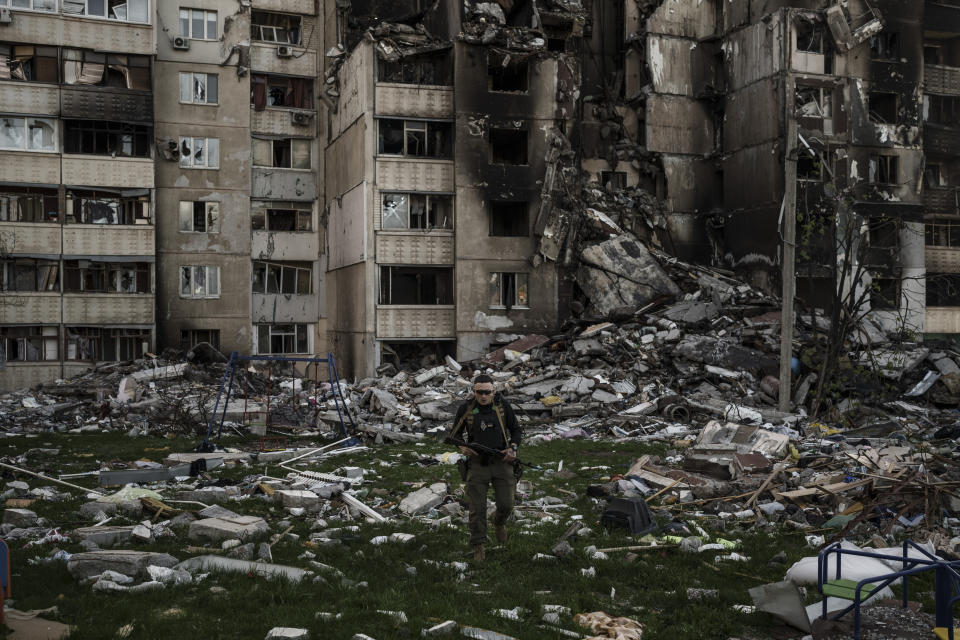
(82, 32)
(34, 238)
(30, 307)
(941, 200)
(414, 100)
(942, 320)
(32, 167)
(940, 139)
(275, 307)
(284, 245)
(407, 321)
(942, 259)
(264, 58)
(415, 247)
(108, 239)
(941, 79)
(107, 103)
(108, 308)
(30, 97)
(415, 174)
(280, 121)
(104, 171)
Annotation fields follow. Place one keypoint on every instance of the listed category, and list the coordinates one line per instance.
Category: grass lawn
(419, 578)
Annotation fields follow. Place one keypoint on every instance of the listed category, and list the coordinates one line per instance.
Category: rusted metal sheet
(522, 345)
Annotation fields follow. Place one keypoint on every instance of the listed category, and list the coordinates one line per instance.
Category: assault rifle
(483, 449)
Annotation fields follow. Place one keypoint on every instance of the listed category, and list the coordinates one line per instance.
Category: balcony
(418, 101)
(273, 308)
(941, 79)
(30, 97)
(402, 321)
(283, 184)
(32, 167)
(35, 238)
(305, 7)
(104, 171)
(285, 245)
(940, 139)
(112, 240)
(30, 307)
(415, 174)
(941, 200)
(942, 259)
(107, 103)
(108, 308)
(415, 247)
(303, 62)
(279, 121)
(80, 32)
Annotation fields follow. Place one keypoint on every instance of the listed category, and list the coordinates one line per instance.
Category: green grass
(652, 589)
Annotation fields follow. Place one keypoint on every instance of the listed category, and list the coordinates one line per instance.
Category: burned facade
(239, 244)
(77, 199)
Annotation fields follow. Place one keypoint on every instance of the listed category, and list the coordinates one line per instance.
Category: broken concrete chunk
(129, 563)
(19, 517)
(420, 501)
(287, 633)
(218, 529)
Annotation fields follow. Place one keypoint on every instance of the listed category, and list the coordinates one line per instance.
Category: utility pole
(789, 234)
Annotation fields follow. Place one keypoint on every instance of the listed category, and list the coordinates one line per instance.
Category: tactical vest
(468, 419)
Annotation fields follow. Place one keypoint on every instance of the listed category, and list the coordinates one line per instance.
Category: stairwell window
(283, 153)
(200, 153)
(199, 281)
(198, 88)
(199, 217)
(508, 290)
(282, 277)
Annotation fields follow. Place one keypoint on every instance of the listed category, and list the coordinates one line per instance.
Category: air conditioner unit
(284, 51)
(179, 42)
(5, 16)
(300, 117)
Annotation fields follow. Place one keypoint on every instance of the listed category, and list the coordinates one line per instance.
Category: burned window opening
(884, 107)
(105, 207)
(189, 338)
(809, 168)
(23, 204)
(943, 110)
(282, 153)
(943, 232)
(883, 232)
(100, 137)
(289, 278)
(282, 216)
(885, 293)
(28, 63)
(415, 138)
(943, 289)
(416, 211)
(29, 274)
(614, 180)
(885, 46)
(932, 54)
(282, 28)
(813, 40)
(814, 102)
(199, 217)
(99, 344)
(280, 92)
(91, 276)
(505, 74)
(434, 70)
(510, 219)
(416, 285)
(509, 290)
(884, 169)
(508, 146)
(934, 176)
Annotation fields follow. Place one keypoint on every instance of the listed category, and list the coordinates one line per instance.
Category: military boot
(479, 554)
(501, 531)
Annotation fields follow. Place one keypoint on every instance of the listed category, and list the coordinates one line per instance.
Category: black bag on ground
(632, 514)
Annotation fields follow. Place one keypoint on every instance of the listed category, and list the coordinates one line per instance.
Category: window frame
(273, 152)
(192, 86)
(189, 338)
(260, 217)
(12, 56)
(206, 24)
(106, 342)
(33, 8)
(209, 206)
(107, 10)
(190, 155)
(55, 122)
(428, 200)
(497, 284)
(875, 174)
(408, 129)
(265, 269)
(44, 270)
(109, 275)
(206, 295)
(10, 198)
(126, 207)
(46, 334)
(272, 330)
(113, 132)
(275, 29)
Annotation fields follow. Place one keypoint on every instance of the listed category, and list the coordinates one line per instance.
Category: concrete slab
(219, 529)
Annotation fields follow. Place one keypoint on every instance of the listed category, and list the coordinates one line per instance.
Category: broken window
(885, 293)
(506, 74)
(283, 338)
(200, 153)
(811, 37)
(283, 153)
(934, 176)
(199, 217)
(508, 146)
(508, 290)
(416, 285)
(198, 88)
(809, 168)
(943, 232)
(943, 110)
(613, 179)
(28, 274)
(885, 46)
(90, 276)
(189, 338)
(884, 169)
(82, 67)
(28, 63)
(108, 207)
(199, 281)
(932, 53)
(426, 70)
(814, 48)
(415, 138)
(24, 204)
(99, 344)
(510, 219)
(882, 233)
(266, 26)
(100, 137)
(33, 5)
(416, 211)
(28, 134)
(198, 24)
(125, 10)
(280, 91)
(282, 216)
(29, 343)
(814, 102)
(943, 289)
(291, 278)
(884, 107)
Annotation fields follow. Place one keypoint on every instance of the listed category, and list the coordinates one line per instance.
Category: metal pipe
(40, 475)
